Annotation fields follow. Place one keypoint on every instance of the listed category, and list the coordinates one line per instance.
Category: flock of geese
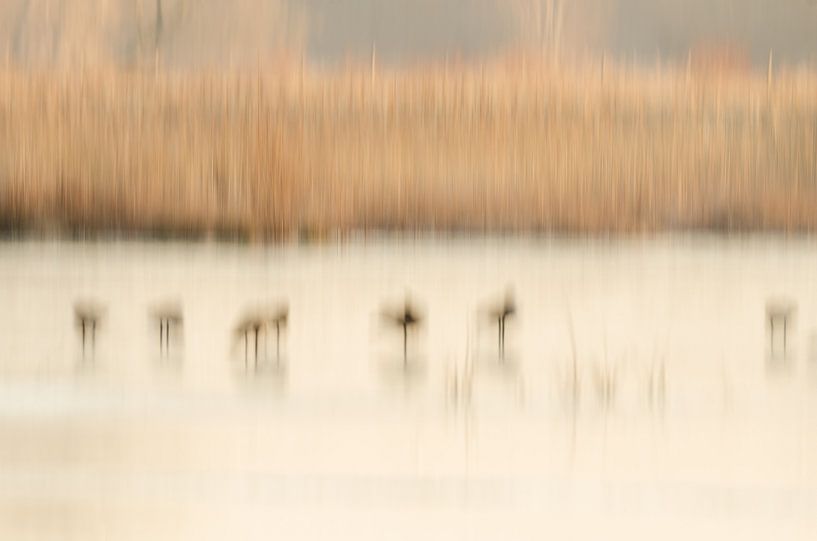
(169, 317)
(255, 323)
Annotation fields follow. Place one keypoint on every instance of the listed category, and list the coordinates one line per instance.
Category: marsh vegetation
(516, 144)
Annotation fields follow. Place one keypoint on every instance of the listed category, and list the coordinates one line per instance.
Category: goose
(407, 316)
(500, 312)
(88, 315)
(779, 311)
(168, 315)
(257, 321)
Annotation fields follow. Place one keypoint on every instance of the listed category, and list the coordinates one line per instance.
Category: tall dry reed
(514, 145)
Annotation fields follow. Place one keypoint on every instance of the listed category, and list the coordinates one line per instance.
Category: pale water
(639, 397)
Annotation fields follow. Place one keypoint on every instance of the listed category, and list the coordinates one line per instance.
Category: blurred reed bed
(517, 144)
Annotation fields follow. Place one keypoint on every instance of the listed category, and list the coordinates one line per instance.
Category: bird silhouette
(88, 316)
(278, 317)
(500, 312)
(779, 311)
(406, 316)
(257, 321)
(168, 315)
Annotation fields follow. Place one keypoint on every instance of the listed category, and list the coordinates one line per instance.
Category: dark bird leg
(93, 337)
(161, 336)
(257, 329)
(499, 336)
(503, 338)
(785, 321)
(771, 335)
(502, 353)
(82, 324)
(246, 347)
(277, 341)
(405, 344)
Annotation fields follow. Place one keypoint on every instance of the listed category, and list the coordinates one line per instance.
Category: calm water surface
(639, 397)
